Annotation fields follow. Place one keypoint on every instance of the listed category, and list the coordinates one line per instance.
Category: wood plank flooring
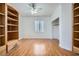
(38, 47)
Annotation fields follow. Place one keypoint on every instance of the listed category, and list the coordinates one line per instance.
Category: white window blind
(36, 26)
(39, 26)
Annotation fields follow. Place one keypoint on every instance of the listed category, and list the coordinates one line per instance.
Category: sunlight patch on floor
(39, 49)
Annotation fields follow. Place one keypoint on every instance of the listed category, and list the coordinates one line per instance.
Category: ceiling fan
(34, 8)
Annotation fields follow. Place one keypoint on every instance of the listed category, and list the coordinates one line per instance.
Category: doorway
(55, 29)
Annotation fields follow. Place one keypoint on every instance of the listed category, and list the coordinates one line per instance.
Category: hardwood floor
(38, 47)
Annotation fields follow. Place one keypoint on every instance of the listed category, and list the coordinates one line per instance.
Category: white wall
(27, 28)
(64, 12)
(66, 26)
(55, 29)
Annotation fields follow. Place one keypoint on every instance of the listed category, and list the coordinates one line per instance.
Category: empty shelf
(10, 13)
(76, 31)
(76, 8)
(12, 25)
(1, 35)
(1, 25)
(9, 18)
(76, 23)
(13, 31)
(76, 39)
(76, 16)
(2, 14)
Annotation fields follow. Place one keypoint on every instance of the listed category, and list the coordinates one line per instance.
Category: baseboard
(40, 38)
(36, 38)
(55, 38)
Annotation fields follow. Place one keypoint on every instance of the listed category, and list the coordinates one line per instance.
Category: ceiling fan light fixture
(34, 11)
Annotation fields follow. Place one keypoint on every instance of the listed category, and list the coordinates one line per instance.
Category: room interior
(39, 29)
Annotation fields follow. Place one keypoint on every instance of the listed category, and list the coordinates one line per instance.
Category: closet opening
(55, 29)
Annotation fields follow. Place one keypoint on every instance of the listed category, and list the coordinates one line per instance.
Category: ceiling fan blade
(38, 9)
(32, 5)
(34, 8)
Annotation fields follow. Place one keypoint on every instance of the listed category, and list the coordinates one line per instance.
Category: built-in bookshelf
(2, 24)
(12, 26)
(76, 27)
(2, 28)
(8, 27)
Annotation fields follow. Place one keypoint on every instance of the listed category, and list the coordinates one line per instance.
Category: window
(39, 26)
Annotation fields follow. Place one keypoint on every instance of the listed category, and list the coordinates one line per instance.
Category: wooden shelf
(11, 41)
(3, 50)
(76, 39)
(12, 25)
(9, 18)
(75, 5)
(75, 49)
(76, 23)
(2, 14)
(76, 16)
(13, 31)
(76, 8)
(1, 25)
(76, 31)
(12, 9)
(10, 13)
(1, 35)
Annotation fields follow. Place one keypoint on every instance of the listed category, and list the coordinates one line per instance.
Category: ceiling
(24, 10)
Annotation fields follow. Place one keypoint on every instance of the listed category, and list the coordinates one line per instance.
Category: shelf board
(2, 47)
(9, 18)
(76, 31)
(76, 16)
(12, 25)
(12, 14)
(1, 35)
(11, 8)
(13, 31)
(76, 23)
(76, 39)
(12, 41)
(2, 13)
(75, 49)
(1, 25)
(76, 8)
